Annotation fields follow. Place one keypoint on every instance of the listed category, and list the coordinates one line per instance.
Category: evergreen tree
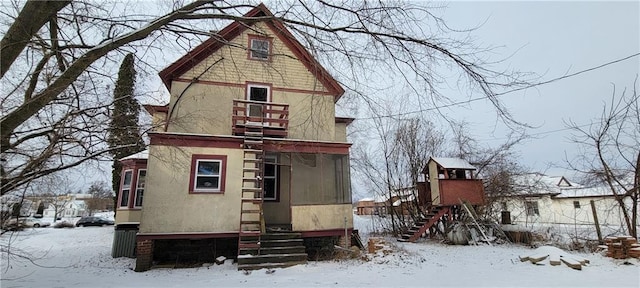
(124, 131)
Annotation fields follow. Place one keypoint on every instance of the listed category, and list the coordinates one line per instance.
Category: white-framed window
(207, 177)
(142, 176)
(126, 188)
(257, 93)
(207, 173)
(259, 48)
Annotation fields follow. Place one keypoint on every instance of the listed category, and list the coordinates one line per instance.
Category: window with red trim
(207, 173)
(126, 188)
(259, 48)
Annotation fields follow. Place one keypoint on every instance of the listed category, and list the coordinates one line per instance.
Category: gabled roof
(453, 163)
(234, 30)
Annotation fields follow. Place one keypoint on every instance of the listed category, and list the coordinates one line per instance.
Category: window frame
(135, 197)
(531, 208)
(123, 188)
(276, 170)
(268, 87)
(250, 49)
(197, 158)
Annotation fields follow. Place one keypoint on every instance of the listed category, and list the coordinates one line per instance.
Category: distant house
(371, 206)
(539, 199)
(70, 205)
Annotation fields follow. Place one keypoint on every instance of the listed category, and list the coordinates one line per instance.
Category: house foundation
(144, 256)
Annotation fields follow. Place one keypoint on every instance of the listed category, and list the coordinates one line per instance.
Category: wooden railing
(274, 117)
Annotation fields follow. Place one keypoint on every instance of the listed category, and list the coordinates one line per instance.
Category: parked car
(17, 224)
(36, 223)
(93, 221)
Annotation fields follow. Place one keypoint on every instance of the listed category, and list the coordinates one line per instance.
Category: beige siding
(168, 206)
(128, 216)
(284, 70)
(341, 132)
(321, 217)
(207, 108)
(202, 109)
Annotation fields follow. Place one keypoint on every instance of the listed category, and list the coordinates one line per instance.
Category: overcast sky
(552, 39)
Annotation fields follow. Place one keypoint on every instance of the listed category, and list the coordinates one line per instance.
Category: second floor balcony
(272, 117)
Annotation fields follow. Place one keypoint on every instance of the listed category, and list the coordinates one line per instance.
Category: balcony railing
(273, 117)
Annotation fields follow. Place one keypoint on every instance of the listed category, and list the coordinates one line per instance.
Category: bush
(64, 224)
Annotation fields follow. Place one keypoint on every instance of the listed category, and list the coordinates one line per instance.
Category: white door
(257, 93)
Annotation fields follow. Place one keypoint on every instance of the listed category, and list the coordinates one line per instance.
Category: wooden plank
(571, 263)
(554, 260)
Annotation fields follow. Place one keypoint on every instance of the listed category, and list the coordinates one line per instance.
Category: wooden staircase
(277, 250)
(251, 213)
(424, 224)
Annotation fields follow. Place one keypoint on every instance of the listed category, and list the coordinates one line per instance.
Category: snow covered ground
(80, 257)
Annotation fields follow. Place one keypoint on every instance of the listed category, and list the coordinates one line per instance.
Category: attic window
(259, 48)
(576, 204)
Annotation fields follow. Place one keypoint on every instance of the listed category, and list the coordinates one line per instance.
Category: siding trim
(240, 85)
(211, 141)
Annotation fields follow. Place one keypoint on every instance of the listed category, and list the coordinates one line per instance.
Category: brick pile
(622, 247)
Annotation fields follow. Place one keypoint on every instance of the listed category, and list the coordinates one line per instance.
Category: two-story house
(249, 145)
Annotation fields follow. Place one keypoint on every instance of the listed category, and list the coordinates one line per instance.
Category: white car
(26, 222)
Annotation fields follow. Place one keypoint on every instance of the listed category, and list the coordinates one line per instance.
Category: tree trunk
(32, 17)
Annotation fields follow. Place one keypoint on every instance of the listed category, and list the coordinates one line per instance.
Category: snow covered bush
(64, 224)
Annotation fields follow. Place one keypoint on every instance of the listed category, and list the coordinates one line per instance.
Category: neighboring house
(70, 205)
(369, 206)
(249, 144)
(539, 199)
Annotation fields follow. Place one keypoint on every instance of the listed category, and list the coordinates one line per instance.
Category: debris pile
(377, 244)
(622, 247)
(556, 257)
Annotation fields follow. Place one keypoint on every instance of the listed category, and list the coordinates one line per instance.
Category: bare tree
(101, 197)
(497, 165)
(611, 152)
(58, 64)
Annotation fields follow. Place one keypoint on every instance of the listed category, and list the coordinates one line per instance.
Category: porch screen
(320, 179)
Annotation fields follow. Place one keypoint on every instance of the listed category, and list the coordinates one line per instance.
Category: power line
(505, 92)
(543, 132)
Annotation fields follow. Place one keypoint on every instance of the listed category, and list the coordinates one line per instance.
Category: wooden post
(595, 219)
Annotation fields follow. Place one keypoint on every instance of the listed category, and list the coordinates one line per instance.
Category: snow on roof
(585, 192)
(453, 163)
(140, 155)
(366, 199)
(540, 184)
